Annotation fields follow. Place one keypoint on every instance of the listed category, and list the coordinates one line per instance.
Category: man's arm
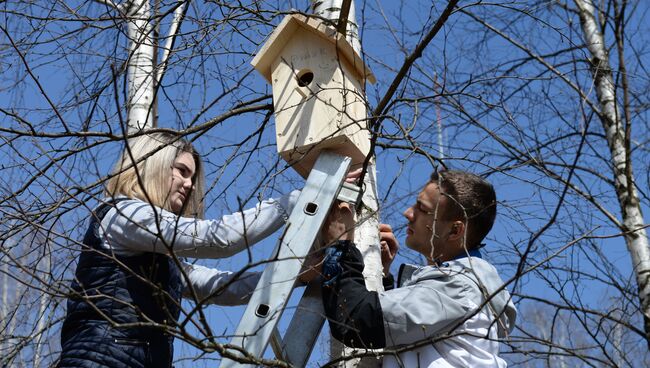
(367, 319)
(354, 313)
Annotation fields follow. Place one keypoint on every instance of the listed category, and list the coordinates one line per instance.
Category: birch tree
(141, 76)
(617, 124)
(366, 234)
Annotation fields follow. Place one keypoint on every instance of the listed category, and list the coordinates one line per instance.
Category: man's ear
(457, 231)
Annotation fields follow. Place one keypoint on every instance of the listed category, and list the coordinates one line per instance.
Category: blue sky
(517, 105)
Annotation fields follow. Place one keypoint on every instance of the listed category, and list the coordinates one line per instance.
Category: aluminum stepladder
(258, 324)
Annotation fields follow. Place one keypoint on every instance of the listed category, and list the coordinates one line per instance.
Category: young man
(449, 313)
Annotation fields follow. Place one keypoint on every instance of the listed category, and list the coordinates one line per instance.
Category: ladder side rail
(278, 279)
(304, 328)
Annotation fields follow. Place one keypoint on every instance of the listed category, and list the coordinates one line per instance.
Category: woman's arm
(219, 287)
(134, 226)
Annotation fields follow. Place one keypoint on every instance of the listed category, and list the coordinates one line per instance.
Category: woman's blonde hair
(145, 168)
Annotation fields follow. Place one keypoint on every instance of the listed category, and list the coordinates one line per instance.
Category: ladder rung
(350, 193)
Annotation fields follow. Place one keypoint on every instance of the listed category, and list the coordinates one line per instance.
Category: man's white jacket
(448, 315)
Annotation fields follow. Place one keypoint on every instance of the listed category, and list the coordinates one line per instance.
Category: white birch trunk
(169, 43)
(330, 9)
(366, 234)
(140, 67)
(4, 308)
(635, 235)
(8, 319)
(366, 237)
(43, 267)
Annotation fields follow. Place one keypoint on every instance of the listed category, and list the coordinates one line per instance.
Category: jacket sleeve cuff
(354, 313)
(388, 281)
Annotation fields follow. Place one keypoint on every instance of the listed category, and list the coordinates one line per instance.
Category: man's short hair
(471, 199)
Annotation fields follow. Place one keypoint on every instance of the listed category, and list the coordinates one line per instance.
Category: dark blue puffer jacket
(110, 291)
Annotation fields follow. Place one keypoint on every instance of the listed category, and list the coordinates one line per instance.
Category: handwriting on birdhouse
(320, 52)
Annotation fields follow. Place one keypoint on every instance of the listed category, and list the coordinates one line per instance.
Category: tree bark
(331, 9)
(366, 234)
(140, 67)
(610, 115)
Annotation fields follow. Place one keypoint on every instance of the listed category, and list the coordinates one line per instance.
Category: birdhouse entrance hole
(305, 77)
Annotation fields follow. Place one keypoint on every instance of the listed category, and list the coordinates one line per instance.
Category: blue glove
(331, 267)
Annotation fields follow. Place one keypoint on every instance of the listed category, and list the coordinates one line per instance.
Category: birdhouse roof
(295, 23)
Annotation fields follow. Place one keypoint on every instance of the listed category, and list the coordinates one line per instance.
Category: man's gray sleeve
(422, 310)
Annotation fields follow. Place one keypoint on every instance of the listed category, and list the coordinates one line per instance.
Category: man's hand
(353, 176)
(312, 267)
(340, 223)
(389, 246)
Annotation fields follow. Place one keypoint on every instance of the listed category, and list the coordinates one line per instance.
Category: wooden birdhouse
(318, 92)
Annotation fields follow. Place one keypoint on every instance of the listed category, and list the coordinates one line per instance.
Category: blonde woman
(128, 282)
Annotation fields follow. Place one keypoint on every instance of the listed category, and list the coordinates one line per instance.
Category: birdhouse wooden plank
(318, 92)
